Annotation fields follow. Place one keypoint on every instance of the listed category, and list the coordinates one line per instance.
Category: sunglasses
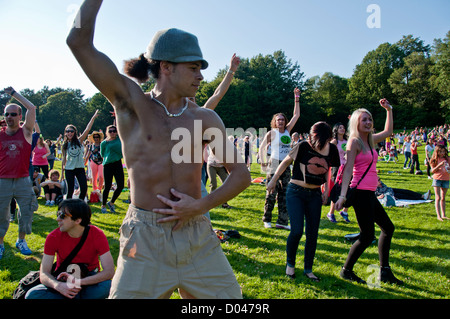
(62, 215)
(70, 131)
(11, 114)
(112, 131)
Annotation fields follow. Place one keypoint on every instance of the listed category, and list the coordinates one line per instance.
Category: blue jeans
(303, 204)
(96, 291)
(407, 157)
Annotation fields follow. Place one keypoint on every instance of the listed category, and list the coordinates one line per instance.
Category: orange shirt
(441, 173)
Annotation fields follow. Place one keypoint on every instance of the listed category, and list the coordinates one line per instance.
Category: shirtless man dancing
(165, 241)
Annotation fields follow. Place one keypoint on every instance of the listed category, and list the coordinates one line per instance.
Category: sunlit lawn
(420, 253)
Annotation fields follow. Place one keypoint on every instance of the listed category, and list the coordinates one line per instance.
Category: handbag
(94, 198)
(32, 279)
(336, 190)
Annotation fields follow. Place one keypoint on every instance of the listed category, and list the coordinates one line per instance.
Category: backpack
(31, 280)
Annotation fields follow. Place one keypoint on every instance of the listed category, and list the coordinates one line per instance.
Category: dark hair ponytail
(319, 135)
(138, 68)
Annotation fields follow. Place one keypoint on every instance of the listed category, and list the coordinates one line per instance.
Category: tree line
(412, 75)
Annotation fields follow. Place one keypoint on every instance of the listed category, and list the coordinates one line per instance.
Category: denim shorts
(440, 183)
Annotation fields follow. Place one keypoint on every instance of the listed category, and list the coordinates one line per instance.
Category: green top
(111, 151)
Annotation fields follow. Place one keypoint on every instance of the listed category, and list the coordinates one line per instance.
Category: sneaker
(103, 210)
(111, 207)
(2, 250)
(345, 216)
(267, 225)
(427, 195)
(52, 203)
(331, 218)
(279, 226)
(350, 275)
(47, 203)
(23, 247)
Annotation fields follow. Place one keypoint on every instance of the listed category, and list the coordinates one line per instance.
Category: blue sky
(321, 35)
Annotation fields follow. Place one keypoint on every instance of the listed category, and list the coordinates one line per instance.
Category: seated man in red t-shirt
(73, 216)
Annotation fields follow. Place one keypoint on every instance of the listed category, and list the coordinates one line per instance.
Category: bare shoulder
(354, 145)
(209, 117)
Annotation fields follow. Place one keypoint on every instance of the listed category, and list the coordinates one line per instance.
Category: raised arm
(219, 93)
(37, 129)
(296, 115)
(389, 124)
(98, 67)
(88, 127)
(30, 116)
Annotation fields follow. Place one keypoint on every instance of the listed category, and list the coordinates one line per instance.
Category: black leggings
(415, 161)
(111, 170)
(369, 211)
(80, 174)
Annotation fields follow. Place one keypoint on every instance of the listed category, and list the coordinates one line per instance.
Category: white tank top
(280, 144)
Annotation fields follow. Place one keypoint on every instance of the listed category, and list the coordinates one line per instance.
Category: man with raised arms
(166, 242)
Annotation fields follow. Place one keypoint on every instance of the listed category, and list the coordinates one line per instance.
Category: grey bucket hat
(175, 45)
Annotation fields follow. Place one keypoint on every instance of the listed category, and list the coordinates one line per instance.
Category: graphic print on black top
(312, 167)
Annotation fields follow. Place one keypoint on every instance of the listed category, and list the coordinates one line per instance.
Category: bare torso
(148, 146)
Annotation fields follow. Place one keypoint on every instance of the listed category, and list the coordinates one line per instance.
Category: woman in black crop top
(313, 160)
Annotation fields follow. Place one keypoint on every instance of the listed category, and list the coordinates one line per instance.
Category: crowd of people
(168, 201)
(24, 156)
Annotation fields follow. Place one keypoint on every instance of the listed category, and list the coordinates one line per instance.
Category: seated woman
(52, 188)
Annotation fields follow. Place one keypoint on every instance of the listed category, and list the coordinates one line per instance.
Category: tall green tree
(105, 118)
(263, 86)
(328, 94)
(369, 81)
(386, 72)
(60, 110)
(411, 82)
(417, 98)
(440, 80)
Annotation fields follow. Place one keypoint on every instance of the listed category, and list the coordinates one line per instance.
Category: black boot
(386, 275)
(350, 275)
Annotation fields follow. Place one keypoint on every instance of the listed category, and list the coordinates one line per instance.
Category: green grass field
(420, 253)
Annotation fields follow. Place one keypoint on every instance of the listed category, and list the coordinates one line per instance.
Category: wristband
(12, 93)
(232, 72)
(343, 197)
(297, 95)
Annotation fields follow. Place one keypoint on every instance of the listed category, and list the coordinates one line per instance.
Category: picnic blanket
(401, 202)
(408, 202)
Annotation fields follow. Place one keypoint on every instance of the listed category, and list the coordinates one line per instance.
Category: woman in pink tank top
(368, 210)
(40, 153)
